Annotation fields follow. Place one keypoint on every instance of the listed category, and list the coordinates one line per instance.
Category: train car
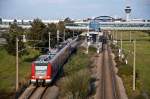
(45, 69)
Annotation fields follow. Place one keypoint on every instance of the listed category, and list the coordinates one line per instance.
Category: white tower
(127, 11)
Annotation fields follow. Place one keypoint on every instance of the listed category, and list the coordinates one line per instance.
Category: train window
(41, 64)
(52, 55)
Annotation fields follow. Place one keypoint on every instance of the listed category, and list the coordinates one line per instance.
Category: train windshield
(41, 64)
(52, 55)
(41, 69)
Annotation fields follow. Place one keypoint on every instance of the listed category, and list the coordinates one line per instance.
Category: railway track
(109, 88)
(33, 92)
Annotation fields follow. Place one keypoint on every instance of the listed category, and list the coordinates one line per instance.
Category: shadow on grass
(6, 95)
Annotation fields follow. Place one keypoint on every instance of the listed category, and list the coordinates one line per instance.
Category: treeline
(36, 36)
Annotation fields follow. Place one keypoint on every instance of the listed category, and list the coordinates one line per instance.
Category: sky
(75, 9)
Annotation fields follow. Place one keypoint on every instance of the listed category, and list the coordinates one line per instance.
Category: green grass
(78, 61)
(8, 69)
(142, 62)
(139, 35)
(77, 75)
(76, 85)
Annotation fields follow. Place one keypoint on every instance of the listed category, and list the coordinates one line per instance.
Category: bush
(78, 61)
(76, 85)
(77, 80)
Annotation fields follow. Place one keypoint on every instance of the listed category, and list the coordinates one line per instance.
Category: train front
(41, 72)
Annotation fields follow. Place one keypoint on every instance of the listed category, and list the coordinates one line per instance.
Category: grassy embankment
(76, 81)
(8, 70)
(142, 64)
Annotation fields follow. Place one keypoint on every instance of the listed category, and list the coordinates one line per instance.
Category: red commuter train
(45, 69)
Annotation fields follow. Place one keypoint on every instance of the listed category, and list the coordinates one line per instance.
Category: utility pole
(130, 36)
(116, 36)
(73, 33)
(64, 35)
(120, 50)
(121, 42)
(16, 63)
(49, 36)
(98, 43)
(134, 63)
(88, 43)
(113, 35)
(57, 36)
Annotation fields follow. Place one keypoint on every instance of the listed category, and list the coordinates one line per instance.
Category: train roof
(42, 58)
(50, 54)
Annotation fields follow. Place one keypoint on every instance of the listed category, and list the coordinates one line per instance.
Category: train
(46, 67)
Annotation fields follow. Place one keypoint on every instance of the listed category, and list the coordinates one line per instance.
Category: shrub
(76, 85)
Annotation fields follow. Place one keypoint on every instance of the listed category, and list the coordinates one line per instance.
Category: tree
(61, 26)
(68, 20)
(38, 33)
(14, 31)
(37, 30)
(15, 21)
(53, 29)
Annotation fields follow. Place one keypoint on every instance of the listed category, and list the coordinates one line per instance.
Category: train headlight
(48, 76)
(33, 77)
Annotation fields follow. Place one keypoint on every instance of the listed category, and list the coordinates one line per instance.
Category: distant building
(148, 20)
(26, 22)
(119, 20)
(137, 20)
(104, 19)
